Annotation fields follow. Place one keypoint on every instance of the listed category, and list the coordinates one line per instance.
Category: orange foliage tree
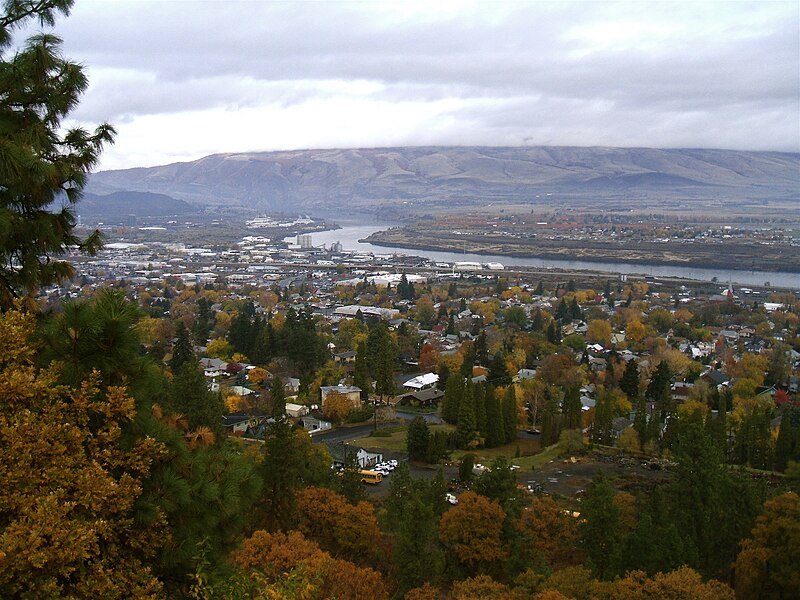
(287, 565)
(339, 527)
(473, 530)
(481, 587)
(552, 534)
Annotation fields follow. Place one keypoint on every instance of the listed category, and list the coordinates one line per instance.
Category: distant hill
(118, 205)
(423, 177)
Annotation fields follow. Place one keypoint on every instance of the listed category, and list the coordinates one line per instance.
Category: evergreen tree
(469, 361)
(44, 163)
(562, 311)
(350, 484)
(412, 509)
(498, 372)
(278, 396)
(630, 380)
(495, 426)
(465, 427)
(659, 390)
(602, 430)
(551, 428)
(465, 467)
(479, 398)
(599, 529)
(242, 332)
(481, 349)
(640, 420)
(452, 398)
(575, 311)
(188, 395)
(438, 446)
(418, 439)
(290, 462)
(381, 358)
(537, 323)
(554, 332)
(182, 351)
(361, 378)
(539, 291)
(444, 375)
(510, 414)
(572, 408)
(451, 326)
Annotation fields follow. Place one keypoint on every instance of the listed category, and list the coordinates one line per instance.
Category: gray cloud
(723, 74)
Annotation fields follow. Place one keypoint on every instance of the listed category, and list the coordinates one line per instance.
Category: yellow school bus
(372, 477)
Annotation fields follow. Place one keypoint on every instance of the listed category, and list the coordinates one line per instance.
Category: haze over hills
(424, 178)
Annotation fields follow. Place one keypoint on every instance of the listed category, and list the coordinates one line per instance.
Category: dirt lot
(566, 478)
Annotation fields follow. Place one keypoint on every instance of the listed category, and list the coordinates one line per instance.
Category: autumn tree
(343, 529)
(472, 530)
(552, 533)
(285, 565)
(337, 406)
(599, 332)
(767, 564)
(68, 495)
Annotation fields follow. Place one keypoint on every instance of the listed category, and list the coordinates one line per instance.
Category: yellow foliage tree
(337, 406)
(68, 485)
(635, 331)
(767, 564)
(599, 332)
(219, 348)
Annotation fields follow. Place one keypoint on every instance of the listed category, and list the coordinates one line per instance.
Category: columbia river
(350, 234)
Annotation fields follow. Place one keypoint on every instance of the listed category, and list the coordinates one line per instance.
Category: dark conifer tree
(479, 398)
(452, 398)
(630, 380)
(510, 414)
(182, 351)
(465, 427)
(495, 427)
(572, 408)
(418, 439)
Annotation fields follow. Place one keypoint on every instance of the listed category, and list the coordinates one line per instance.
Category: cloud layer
(182, 79)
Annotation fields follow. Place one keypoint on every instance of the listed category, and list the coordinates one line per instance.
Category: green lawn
(531, 455)
(396, 442)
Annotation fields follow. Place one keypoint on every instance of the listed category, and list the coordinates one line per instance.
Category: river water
(350, 234)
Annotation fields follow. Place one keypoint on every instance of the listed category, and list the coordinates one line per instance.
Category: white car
(451, 498)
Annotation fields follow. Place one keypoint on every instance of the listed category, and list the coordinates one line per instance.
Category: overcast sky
(181, 79)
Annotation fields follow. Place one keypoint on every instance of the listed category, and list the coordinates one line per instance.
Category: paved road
(342, 434)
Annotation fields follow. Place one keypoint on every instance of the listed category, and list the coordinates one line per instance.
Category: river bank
(728, 256)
